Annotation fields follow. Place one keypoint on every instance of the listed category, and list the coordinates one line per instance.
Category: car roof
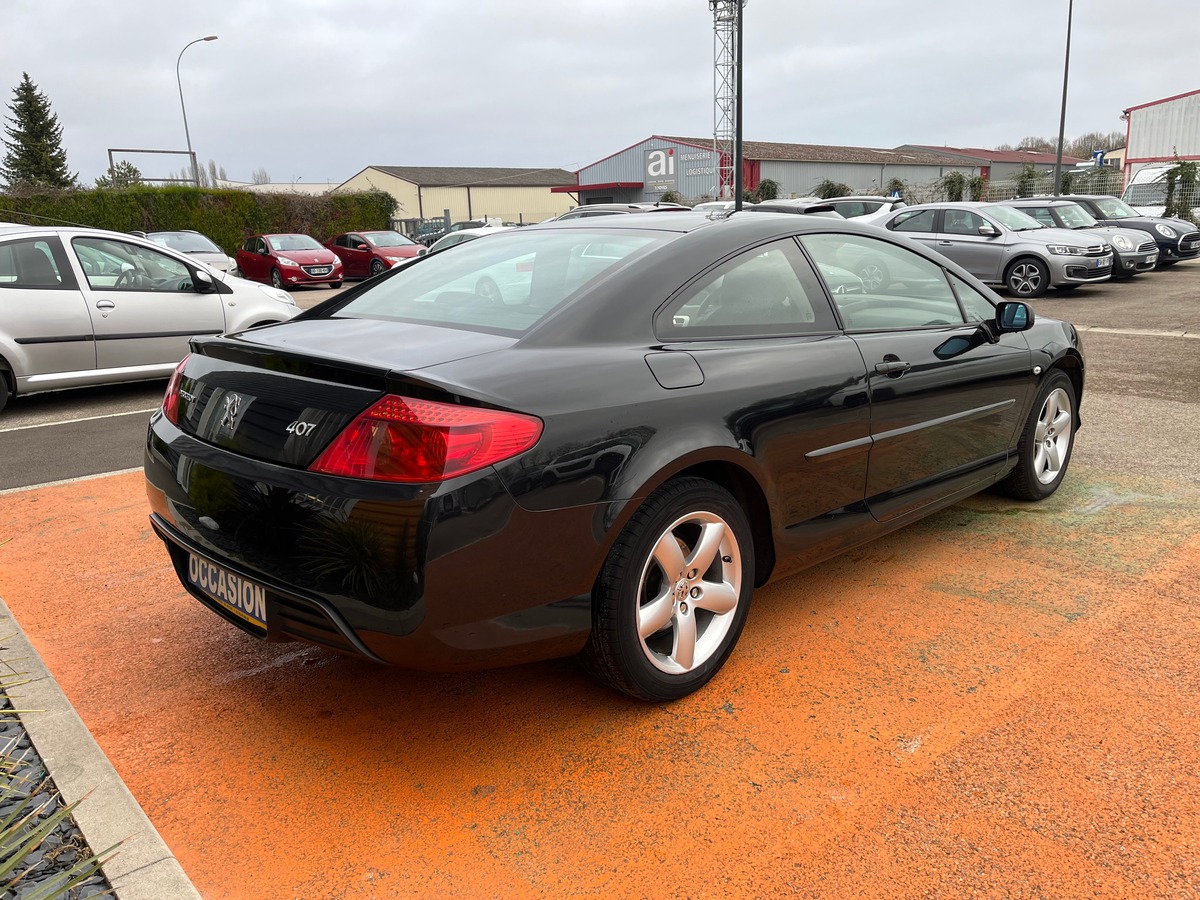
(1030, 201)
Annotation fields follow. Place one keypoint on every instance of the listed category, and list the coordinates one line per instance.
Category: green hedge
(228, 217)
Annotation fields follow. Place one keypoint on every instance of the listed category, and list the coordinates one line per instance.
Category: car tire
(277, 280)
(874, 274)
(377, 267)
(487, 288)
(5, 392)
(673, 595)
(335, 284)
(1027, 277)
(1044, 451)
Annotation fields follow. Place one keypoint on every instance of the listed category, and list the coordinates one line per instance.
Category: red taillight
(402, 439)
(170, 405)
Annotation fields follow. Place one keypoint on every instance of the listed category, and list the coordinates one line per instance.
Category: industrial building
(1162, 131)
(469, 193)
(999, 165)
(690, 167)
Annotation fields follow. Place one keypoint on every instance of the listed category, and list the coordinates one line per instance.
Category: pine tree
(34, 152)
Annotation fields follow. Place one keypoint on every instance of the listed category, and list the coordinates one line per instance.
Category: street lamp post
(187, 134)
(1062, 118)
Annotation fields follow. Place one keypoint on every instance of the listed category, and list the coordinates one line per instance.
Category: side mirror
(1013, 315)
(988, 230)
(360, 247)
(422, 251)
(264, 252)
(203, 281)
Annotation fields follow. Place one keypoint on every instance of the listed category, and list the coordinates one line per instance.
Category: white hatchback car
(79, 307)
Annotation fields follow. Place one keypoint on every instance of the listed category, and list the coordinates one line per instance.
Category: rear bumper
(455, 577)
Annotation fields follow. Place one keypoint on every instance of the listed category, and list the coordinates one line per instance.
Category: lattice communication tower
(725, 16)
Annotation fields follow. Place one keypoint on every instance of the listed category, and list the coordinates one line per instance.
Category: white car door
(144, 303)
(45, 329)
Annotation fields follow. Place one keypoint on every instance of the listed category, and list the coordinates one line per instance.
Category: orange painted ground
(1002, 700)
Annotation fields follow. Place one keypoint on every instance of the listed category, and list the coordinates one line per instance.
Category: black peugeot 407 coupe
(596, 438)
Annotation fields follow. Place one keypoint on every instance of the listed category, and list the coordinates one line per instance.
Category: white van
(1147, 190)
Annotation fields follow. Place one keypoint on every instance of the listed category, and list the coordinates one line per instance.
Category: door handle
(892, 368)
(945, 243)
(105, 304)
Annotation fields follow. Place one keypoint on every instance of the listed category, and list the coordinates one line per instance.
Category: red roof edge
(1163, 100)
(606, 186)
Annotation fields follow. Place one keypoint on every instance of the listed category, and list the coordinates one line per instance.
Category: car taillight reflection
(170, 406)
(419, 441)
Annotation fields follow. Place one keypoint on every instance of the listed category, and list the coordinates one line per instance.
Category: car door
(144, 304)
(946, 404)
(762, 334)
(357, 262)
(249, 262)
(45, 329)
(920, 224)
(959, 240)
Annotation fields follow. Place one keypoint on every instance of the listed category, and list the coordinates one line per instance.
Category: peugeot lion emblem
(233, 403)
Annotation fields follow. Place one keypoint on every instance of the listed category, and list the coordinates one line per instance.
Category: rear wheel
(674, 593)
(1027, 277)
(1046, 443)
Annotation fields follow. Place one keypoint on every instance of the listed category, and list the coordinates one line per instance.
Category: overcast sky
(315, 90)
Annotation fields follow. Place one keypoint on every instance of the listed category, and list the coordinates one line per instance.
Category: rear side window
(30, 263)
(761, 292)
(502, 282)
(914, 220)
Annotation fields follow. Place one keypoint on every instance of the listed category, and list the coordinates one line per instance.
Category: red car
(367, 253)
(288, 260)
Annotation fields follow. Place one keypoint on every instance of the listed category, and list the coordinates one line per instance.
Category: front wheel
(1027, 278)
(673, 596)
(277, 280)
(335, 284)
(1046, 443)
(377, 267)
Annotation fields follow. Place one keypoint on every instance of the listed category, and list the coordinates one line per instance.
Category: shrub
(226, 216)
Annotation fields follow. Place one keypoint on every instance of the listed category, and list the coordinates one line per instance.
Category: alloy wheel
(688, 592)
(1052, 436)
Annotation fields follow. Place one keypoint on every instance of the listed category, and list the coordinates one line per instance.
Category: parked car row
(1032, 244)
(292, 260)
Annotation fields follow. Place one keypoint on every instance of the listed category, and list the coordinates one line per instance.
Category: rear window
(503, 282)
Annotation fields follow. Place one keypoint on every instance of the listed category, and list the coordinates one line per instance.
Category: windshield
(292, 242)
(1075, 216)
(1112, 208)
(1012, 219)
(184, 242)
(504, 282)
(387, 239)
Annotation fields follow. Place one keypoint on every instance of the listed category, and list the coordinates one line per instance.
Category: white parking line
(134, 412)
(46, 484)
(1138, 332)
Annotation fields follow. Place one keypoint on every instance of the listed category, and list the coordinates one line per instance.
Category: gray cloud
(315, 90)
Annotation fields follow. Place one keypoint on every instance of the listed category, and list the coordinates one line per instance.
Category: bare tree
(260, 176)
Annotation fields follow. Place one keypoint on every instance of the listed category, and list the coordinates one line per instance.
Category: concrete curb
(144, 868)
